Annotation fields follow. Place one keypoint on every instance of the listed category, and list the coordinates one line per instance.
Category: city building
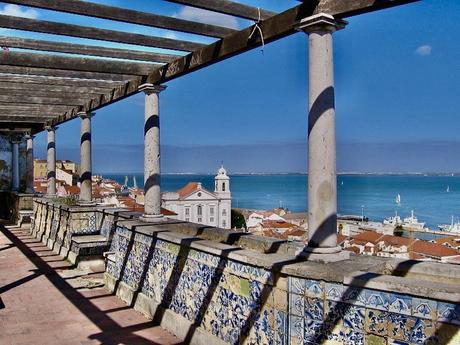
(66, 171)
(194, 203)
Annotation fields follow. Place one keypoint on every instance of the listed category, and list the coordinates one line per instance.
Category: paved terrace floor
(43, 300)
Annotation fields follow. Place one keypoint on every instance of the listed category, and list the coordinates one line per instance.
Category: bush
(238, 220)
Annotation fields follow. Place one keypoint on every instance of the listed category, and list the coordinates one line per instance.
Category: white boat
(448, 189)
(454, 228)
(412, 222)
(393, 221)
(398, 199)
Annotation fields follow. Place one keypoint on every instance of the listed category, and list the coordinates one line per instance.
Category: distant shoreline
(292, 173)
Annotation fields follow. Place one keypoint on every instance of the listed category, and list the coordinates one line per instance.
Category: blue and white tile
(313, 332)
(297, 285)
(280, 327)
(354, 317)
(354, 337)
(377, 322)
(355, 296)
(449, 313)
(314, 309)
(424, 308)
(334, 292)
(296, 304)
(334, 311)
(400, 304)
(296, 324)
(314, 289)
(422, 331)
(377, 299)
(400, 326)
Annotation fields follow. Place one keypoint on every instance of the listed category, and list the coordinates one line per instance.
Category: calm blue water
(426, 195)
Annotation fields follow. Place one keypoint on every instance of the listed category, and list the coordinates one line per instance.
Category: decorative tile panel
(400, 304)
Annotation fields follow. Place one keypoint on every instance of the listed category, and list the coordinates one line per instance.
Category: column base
(324, 257)
(153, 218)
(322, 250)
(86, 203)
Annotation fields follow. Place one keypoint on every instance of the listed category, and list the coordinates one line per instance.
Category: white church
(193, 203)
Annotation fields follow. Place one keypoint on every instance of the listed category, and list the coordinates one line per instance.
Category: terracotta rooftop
(433, 249)
(367, 236)
(188, 189)
(277, 224)
(396, 240)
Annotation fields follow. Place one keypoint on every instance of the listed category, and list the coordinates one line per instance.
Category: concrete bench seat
(87, 247)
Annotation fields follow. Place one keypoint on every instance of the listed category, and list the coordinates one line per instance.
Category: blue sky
(397, 77)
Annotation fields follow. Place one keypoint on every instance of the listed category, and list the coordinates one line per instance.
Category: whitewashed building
(193, 203)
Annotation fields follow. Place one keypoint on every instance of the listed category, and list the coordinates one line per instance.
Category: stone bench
(87, 248)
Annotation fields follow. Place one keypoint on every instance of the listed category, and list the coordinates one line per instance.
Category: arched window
(223, 186)
(199, 210)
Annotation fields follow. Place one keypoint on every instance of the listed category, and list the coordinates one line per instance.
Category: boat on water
(412, 222)
(398, 200)
(448, 189)
(393, 221)
(452, 227)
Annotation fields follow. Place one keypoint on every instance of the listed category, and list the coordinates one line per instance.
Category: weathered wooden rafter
(26, 89)
(48, 27)
(33, 80)
(128, 16)
(19, 99)
(47, 72)
(74, 63)
(81, 49)
(228, 7)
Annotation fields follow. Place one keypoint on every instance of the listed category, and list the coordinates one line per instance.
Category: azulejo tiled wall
(241, 303)
(228, 299)
(336, 313)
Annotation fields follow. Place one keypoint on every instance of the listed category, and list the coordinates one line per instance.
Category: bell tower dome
(222, 183)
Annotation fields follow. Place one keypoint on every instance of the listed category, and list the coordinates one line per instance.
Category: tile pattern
(351, 314)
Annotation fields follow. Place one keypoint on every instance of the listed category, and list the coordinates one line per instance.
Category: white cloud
(170, 35)
(17, 11)
(208, 17)
(424, 50)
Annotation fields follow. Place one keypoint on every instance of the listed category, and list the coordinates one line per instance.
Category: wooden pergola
(49, 88)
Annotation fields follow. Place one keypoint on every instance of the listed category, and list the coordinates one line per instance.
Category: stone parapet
(210, 284)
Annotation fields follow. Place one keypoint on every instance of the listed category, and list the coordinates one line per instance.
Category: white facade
(193, 203)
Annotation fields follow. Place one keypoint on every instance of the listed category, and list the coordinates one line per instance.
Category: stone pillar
(51, 160)
(152, 192)
(322, 179)
(15, 164)
(30, 163)
(86, 188)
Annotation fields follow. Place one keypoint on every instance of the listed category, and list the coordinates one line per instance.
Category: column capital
(151, 88)
(15, 140)
(29, 136)
(320, 23)
(85, 114)
(51, 128)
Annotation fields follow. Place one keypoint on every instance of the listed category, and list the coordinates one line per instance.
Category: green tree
(238, 220)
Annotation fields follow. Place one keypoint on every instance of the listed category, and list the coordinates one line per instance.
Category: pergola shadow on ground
(38, 303)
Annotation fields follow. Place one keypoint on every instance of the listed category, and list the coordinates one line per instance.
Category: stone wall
(56, 224)
(209, 292)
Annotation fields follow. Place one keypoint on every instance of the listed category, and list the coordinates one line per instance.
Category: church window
(187, 211)
(223, 186)
(224, 223)
(199, 220)
(224, 212)
(211, 211)
(199, 210)
(211, 219)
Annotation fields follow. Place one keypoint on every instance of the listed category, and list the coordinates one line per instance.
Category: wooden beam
(127, 16)
(47, 72)
(81, 49)
(35, 108)
(34, 80)
(228, 7)
(18, 99)
(74, 64)
(29, 117)
(47, 27)
(273, 28)
(47, 93)
(23, 88)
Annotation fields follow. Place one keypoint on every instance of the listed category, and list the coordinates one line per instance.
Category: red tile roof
(277, 224)
(367, 236)
(433, 249)
(187, 189)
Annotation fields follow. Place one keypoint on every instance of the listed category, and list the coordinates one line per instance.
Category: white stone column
(322, 179)
(15, 164)
(152, 171)
(30, 163)
(86, 188)
(51, 161)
